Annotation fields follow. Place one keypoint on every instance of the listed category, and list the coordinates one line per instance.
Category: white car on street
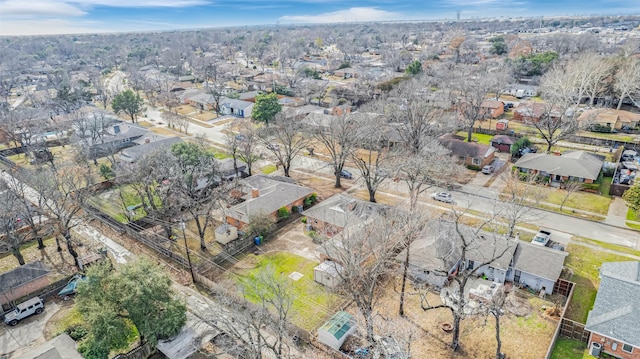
(442, 197)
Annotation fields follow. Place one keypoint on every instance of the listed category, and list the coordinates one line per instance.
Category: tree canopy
(632, 196)
(414, 68)
(266, 107)
(138, 294)
(128, 102)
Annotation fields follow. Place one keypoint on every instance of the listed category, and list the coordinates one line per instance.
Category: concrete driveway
(29, 332)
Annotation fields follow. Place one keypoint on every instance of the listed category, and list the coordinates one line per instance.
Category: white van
(23, 310)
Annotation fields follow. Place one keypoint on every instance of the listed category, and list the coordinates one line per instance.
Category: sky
(39, 17)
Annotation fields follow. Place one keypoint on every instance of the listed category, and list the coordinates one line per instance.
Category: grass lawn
(585, 201)
(221, 155)
(268, 169)
(613, 247)
(313, 303)
(482, 138)
(632, 215)
(570, 349)
(585, 264)
(110, 202)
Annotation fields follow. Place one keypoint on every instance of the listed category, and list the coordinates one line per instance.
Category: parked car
(541, 238)
(346, 174)
(273, 146)
(23, 310)
(488, 169)
(443, 197)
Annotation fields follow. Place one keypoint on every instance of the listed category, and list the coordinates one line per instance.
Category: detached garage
(334, 332)
(502, 143)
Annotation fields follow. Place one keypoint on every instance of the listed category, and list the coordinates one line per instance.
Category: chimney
(255, 193)
(147, 140)
(351, 205)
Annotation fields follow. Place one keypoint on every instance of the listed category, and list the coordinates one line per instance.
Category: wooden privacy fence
(566, 327)
(573, 330)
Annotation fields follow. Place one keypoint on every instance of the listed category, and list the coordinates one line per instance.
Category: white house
(238, 108)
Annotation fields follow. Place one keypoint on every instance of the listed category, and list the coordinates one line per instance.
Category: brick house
(492, 108)
(533, 112)
(265, 195)
(468, 153)
(613, 321)
(23, 281)
(579, 166)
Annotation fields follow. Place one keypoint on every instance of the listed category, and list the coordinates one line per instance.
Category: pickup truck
(543, 238)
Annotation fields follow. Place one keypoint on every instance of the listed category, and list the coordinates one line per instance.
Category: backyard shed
(328, 273)
(334, 332)
(502, 124)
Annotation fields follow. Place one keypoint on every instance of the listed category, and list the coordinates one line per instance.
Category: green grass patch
(221, 155)
(585, 263)
(632, 215)
(632, 225)
(268, 169)
(589, 202)
(570, 349)
(313, 303)
(70, 319)
(481, 138)
(605, 185)
(111, 203)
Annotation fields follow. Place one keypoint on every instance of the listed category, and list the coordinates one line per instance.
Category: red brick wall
(24, 290)
(608, 344)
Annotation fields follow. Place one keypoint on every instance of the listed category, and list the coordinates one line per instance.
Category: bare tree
(570, 187)
(233, 149)
(627, 81)
(461, 240)
(284, 140)
(29, 214)
(514, 202)
(371, 165)
(365, 255)
(248, 145)
(11, 235)
(338, 135)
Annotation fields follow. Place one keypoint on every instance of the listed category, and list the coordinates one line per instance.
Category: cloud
(349, 15)
(47, 27)
(21, 8)
(141, 3)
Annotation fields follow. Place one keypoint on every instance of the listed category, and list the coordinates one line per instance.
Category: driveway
(29, 332)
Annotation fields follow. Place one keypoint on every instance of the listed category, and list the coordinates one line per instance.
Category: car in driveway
(346, 174)
(23, 310)
(443, 197)
(488, 169)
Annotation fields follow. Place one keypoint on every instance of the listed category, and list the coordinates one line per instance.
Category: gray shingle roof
(133, 154)
(465, 149)
(271, 198)
(575, 163)
(340, 210)
(616, 311)
(540, 261)
(487, 247)
(22, 275)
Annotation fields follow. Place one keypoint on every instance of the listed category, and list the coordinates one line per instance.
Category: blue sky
(29, 17)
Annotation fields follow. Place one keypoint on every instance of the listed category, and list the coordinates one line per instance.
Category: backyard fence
(573, 330)
(556, 334)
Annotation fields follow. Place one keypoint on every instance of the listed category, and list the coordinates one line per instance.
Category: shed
(334, 332)
(226, 233)
(502, 124)
(502, 142)
(328, 273)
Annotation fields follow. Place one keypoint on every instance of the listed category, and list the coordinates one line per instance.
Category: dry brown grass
(324, 187)
(185, 109)
(206, 116)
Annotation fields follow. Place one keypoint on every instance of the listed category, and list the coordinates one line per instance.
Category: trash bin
(257, 240)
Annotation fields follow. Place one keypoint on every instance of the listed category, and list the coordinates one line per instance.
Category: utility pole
(186, 248)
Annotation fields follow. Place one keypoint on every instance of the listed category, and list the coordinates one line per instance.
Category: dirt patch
(323, 186)
(522, 337)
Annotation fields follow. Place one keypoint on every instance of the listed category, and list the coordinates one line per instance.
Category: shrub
(304, 220)
(283, 213)
(77, 332)
(473, 167)
(311, 199)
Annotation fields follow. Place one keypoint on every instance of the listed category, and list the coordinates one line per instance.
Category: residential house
(469, 153)
(491, 108)
(332, 215)
(536, 267)
(149, 144)
(22, 281)
(435, 257)
(299, 113)
(227, 170)
(613, 321)
(114, 139)
(59, 347)
(577, 166)
(533, 112)
(347, 73)
(502, 143)
(520, 91)
(613, 119)
(264, 195)
(236, 108)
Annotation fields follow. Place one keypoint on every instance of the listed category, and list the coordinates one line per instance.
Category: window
(470, 264)
(627, 348)
(475, 161)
